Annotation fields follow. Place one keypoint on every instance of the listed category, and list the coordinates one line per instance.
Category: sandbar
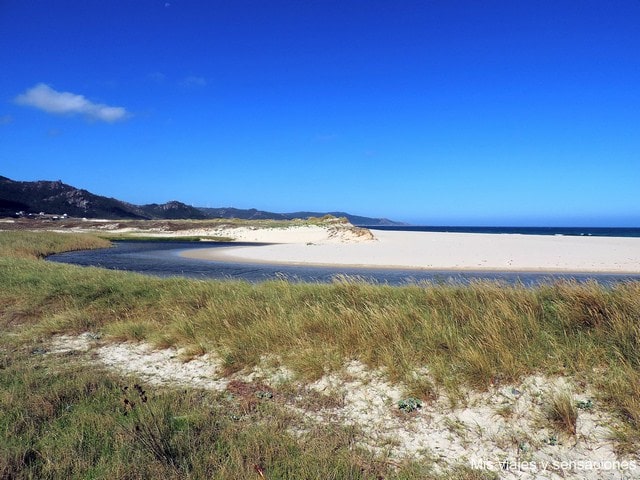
(445, 251)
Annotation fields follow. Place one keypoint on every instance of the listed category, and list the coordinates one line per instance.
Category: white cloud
(45, 98)
(192, 81)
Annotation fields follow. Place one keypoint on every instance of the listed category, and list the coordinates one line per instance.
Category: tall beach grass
(431, 337)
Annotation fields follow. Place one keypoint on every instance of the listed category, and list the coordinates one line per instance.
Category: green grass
(61, 420)
(177, 225)
(144, 238)
(40, 244)
(471, 336)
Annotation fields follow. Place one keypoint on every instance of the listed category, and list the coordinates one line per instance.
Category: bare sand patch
(329, 231)
(504, 429)
(339, 233)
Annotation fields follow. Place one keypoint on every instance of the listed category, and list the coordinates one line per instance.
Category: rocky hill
(55, 197)
(59, 198)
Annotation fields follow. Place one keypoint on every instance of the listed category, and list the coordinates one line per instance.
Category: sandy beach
(437, 251)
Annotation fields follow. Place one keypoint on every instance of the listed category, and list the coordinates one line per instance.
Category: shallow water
(163, 259)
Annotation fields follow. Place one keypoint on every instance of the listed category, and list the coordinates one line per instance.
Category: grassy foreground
(61, 419)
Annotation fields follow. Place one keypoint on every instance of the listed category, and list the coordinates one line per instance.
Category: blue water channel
(163, 259)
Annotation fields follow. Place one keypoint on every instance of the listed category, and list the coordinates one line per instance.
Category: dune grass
(146, 238)
(62, 420)
(430, 337)
(34, 245)
(563, 412)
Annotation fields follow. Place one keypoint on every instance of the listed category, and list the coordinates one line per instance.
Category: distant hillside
(55, 197)
(173, 210)
(253, 214)
(354, 219)
(245, 214)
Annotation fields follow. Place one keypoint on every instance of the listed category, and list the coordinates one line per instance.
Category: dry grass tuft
(562, 412)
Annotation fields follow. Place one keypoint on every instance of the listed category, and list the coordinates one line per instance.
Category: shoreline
(221, 256)
(444, 251)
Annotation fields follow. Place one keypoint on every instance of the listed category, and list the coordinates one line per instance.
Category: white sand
(441, 251)
(504, 424)
(328, 232)
(303, 234)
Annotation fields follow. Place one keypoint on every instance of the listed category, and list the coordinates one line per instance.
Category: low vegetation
(72, 224)
(563, 412)
(463, 336)
(36, 245)
(142, 238)
(62, 420)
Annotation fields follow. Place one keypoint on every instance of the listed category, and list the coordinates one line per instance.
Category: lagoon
(164, 259)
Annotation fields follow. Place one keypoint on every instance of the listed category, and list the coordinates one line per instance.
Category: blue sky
(430, 112)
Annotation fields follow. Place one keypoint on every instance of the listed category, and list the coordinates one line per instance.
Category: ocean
(569, 231)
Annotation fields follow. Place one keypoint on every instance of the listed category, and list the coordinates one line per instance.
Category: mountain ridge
(56, 197)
